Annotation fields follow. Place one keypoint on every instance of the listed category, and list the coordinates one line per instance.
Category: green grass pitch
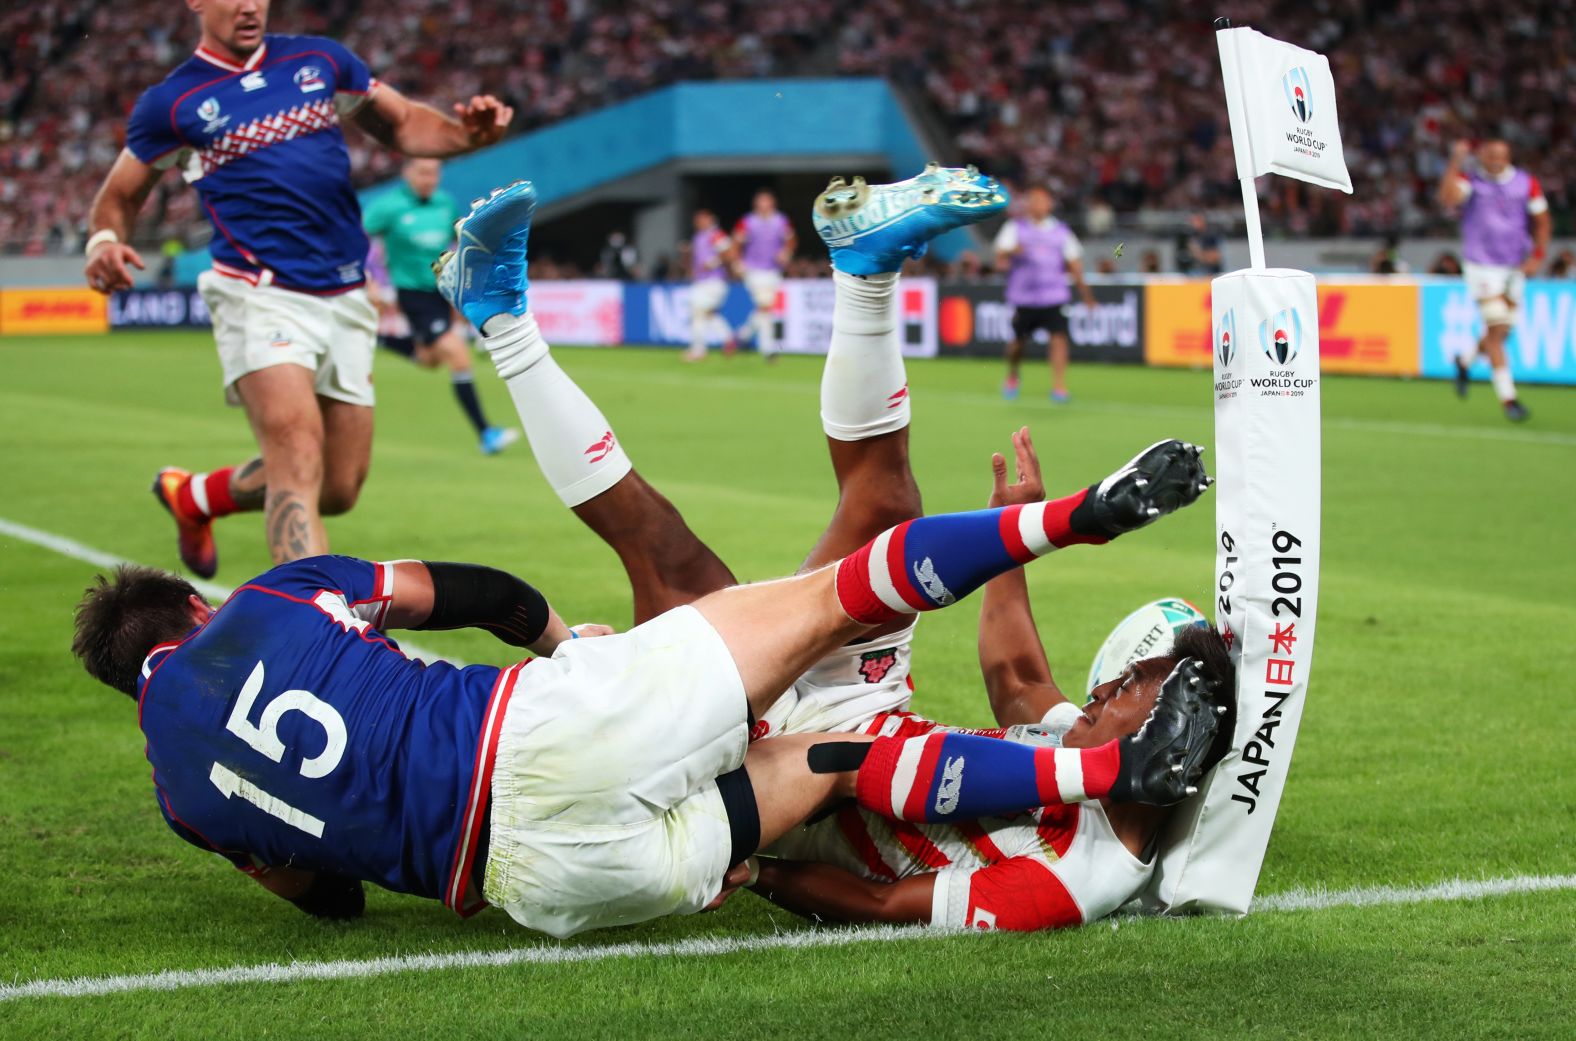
(1436, 744)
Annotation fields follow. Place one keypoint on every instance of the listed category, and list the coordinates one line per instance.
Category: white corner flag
(1281, 102)
(1265, 336)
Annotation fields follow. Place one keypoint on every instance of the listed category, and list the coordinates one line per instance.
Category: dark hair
(1205, 643)
(121, 619)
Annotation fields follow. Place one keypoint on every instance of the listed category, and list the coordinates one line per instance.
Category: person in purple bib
(766, 242)
(1505, 230)
(712, 258)
(1043, 260)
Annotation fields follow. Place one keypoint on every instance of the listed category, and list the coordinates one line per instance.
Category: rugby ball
(1145, 633)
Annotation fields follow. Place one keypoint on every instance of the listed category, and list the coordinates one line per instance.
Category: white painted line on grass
(98, 558)
(549, 954)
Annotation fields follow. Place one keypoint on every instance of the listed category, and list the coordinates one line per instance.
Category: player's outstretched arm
(110, 221)
(422, 131)
(1451, 191)
(431, 595)
(1012, 657)
(825, 892)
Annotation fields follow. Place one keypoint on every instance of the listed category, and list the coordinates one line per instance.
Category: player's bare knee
(340, 494)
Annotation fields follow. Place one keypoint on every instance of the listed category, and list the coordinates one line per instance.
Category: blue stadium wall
(737, 120)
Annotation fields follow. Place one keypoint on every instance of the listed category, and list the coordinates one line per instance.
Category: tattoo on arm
(374, 124)
(247, 495)
(289, 527)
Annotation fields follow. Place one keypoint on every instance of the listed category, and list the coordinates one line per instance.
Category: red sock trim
(1100, 766)
(873, 782)
(185, 504)
(220, 502)
(1058, 522)
(1012, 537)
(924, 773)
(854, 594)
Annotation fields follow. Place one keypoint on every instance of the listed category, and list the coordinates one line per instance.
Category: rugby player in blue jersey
(252, 121)
(612, 782)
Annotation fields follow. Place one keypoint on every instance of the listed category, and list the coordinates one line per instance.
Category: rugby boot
(1162, 763)
(873, 229)
(484, 275)
(193, 531)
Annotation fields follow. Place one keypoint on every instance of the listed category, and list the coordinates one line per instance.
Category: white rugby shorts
(846, 689)
(1490, 285)
(763, 284)
(605, 807)
(255, 327)
(706, 296)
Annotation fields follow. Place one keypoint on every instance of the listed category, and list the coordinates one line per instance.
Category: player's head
(1119, 707)
(1038, 202)
(422, 176)
(765, 202)
(237, 24)
(121, 618)
(705, 219)
(1494, 156)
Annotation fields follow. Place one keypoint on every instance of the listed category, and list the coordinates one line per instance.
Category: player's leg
(1499, 314)
(1010, 387)
(777, 630)
(455, 355)
(865, 413)
(281, 404)
(1059, 351)
(702, 310)
(347, 454)
(572, 441)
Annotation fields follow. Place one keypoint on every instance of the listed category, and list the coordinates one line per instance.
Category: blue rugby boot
(872, 229)
(484, 274)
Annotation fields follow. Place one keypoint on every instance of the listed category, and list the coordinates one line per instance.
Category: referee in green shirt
(415, 220)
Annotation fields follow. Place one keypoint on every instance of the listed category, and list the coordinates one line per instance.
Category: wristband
(100, 237)
(1538, 252)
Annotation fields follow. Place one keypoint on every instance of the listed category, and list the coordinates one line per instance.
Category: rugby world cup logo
(1299, 93)
(1226, 338)
(1281, 335)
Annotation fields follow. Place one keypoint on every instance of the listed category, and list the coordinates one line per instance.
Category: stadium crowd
(1116, 103)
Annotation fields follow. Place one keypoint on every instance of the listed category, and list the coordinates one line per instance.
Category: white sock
(864, 387)
(1504, 386)
(764, 327)
(571, 439)
(700, 325)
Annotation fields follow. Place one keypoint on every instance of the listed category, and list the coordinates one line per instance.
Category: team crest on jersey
(1281, 335)
(1299, 93)
(308, 78)
(874, 665)
(1226, 338)
(208, 112)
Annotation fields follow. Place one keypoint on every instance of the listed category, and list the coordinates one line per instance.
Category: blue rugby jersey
(289, 731)
(261, 143)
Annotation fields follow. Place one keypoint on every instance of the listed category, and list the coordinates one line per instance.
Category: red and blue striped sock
(945, 776)
(931, 562)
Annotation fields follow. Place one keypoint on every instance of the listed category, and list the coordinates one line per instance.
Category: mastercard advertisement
(1365, 328)
(30, 312)
(973, 319)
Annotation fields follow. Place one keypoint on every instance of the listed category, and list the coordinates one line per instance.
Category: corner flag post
(1265, 341)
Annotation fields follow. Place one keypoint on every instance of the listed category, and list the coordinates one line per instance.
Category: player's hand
(106, 268)
(1029, 487)
(738, 876)
(1088, 300)
(1529, 267)
(485, 119)
(587, 630)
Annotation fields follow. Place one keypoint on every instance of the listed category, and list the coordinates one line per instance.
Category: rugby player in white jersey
(1055, 867)
(252, 120)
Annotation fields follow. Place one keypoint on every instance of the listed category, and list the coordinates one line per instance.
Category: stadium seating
(1115, 102)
